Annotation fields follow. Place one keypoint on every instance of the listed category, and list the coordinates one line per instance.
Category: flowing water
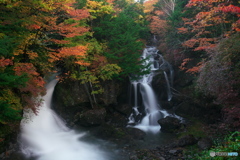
(146, 119)
(46, 137)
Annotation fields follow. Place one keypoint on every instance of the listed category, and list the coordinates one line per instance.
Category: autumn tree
(156, 17)
(215, 20)
(81, 55)
(212, 39)
(219, 78)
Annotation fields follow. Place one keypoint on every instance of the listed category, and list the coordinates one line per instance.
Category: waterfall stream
(46, 137)
(146, 120)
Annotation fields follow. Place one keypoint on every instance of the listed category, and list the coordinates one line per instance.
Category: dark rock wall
(187, 101)
(71, 102)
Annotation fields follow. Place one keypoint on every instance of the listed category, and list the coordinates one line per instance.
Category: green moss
(119, 133)
(196, 128)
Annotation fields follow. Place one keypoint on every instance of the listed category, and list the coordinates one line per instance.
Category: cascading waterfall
(166, 66)
(46, 137)
(152, 110)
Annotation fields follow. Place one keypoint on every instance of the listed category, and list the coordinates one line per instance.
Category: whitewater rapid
(46, 137)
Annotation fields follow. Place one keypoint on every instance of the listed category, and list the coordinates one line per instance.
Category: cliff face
(71, 102)
(186, 101)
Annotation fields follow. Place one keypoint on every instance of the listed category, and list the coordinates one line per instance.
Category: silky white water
(152, 109)
(46, 137)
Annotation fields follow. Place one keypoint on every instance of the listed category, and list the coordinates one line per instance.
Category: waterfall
(152, 110)
(168, 87)
(46, 137)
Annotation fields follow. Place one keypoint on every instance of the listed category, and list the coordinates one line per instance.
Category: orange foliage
(98, 61)
(78, 14)
(157, 25)
(72, 30)
(32, 55)
(195, 69)
(5, 62)
(73, 51)
(192, 70)
(34, 26)
(192, 3)
(231, 9)
(34, 86)
(200, 43)
(148, 5)
(185, 61)
(110, 1)
(213, 13)
(182, 30)
(78, 52)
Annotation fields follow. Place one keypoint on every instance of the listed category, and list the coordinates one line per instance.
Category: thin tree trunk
(94, 98)
(87, 91)
(89, 95)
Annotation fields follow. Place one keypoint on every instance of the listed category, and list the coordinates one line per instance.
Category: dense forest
(92, 41)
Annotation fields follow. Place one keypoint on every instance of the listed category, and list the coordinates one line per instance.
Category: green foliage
(80, 4)
(13, 81)
(107, 71)
(230, 144)
(176, 17)
(122, 35)
(10, 107)
(121, 3)
(174, 21)
(7, 45)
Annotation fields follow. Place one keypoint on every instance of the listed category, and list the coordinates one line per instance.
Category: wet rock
(116, 119)
(146, 154)
(187, 140)
(2, 155)
(122, 134)
(15, 156)
(133, 157)
(189, 108)
(70, 98)
(118, 115)
(205, 143)
(169, 124)
(112, 89)
(124, 109)
(173, 151)
(159, 87)
(91, 117)
(136, 133)
(160, 153)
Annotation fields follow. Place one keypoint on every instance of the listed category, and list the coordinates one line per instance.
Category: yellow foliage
(2, 35)
(15, 105)
(12, 99)
(26, 41)
(98, 9)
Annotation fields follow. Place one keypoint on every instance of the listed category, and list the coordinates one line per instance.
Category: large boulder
(121, 135)
(205, 143)
(169, 124)
(91, 117)
(187, 140)
(69, 98)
